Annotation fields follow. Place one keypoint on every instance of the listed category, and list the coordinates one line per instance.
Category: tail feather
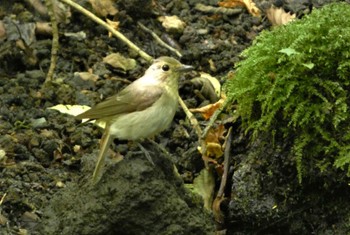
(105, 143)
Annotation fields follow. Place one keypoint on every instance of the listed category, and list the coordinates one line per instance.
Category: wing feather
(133, 98)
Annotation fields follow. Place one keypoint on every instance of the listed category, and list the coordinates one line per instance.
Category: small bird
(142, 109)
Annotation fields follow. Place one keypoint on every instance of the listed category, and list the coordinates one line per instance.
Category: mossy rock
(294, 84)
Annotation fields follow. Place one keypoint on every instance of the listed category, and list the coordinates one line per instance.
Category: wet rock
(132, 197)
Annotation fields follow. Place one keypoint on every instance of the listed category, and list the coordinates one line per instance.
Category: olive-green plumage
(143, 109)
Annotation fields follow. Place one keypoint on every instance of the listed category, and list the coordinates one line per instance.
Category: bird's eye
(165, 67)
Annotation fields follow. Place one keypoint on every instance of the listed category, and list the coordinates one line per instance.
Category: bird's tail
(105, 143)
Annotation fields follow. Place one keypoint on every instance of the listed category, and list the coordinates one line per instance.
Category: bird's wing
(132, 98)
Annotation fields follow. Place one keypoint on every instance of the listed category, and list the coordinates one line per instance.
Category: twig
(226, 163)
(191, 117)
(119, 35)
(159, 40)
(215, 10)
(2, 198)
(55, 43)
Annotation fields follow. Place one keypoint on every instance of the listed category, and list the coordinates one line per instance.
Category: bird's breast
(148, 122)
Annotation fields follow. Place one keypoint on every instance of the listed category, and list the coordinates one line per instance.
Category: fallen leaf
(208, 86)
(213, 143)
(215, 135)
(114, 25)
(214, 149)
(73, 110)
(86, 76)
(172, 24)
(213, 81)
(278, 16)
(104, 8)
(3, 220)
(218, 215)
(249, 4)
(204, 185)
(80, 36)
(208, 110)
(118, 61)
(2, 30)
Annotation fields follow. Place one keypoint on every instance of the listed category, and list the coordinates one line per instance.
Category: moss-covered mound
(294, 83)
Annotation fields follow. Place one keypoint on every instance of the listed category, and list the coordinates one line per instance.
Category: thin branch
(217, 10)
(55, 43)
(191, 117)
(226, 163)
(159, 40)
(119, 35)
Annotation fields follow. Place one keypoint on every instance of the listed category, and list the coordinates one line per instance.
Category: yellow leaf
(249, 4)
(278, 16)
(114, 25)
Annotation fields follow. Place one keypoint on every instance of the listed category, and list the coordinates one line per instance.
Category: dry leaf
(208, 110)
(114, 25)
(218, 215)
(216, 135)
(104, 8)
(213, 81)
(3, 220)
(278, 16)
(204, 185)
(249, 4)
(172, 24)
(212, 141)
(2, 30)
(86, 76)
(214, 149)
(118, 61)
(43, 28)
(208, 86)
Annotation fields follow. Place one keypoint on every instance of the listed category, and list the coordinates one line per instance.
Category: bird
(141, 110)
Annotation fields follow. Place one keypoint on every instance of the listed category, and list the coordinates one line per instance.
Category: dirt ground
(47, 158)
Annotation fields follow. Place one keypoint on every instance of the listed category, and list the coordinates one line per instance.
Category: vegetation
(294, 82)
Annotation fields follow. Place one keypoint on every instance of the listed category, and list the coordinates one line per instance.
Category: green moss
(294, 81)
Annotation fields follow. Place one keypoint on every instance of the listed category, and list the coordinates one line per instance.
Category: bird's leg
(148, 156)
(161, 148)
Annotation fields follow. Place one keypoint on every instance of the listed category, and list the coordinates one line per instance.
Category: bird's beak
(185, 68)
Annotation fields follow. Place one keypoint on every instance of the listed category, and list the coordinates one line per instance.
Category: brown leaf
(2, 30)
(278, 16)
(249, 4)
(208, 110)
(214, 135)
(212, 141)
(218, 215)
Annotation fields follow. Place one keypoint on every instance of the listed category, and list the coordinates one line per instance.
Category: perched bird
(142, 109)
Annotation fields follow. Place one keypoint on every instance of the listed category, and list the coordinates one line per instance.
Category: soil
(47, 157)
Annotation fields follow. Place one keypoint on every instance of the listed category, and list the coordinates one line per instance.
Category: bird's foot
(145, 151)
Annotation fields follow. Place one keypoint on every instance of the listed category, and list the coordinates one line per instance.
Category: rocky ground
(47, 158)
